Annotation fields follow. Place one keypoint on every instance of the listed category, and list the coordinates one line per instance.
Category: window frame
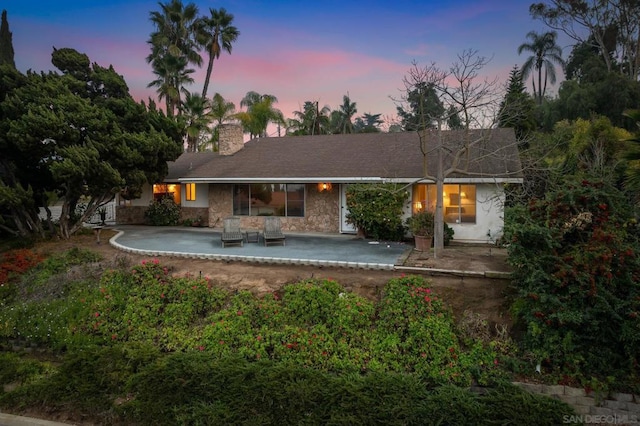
(453, 203)
(240, 205)
(190, 192)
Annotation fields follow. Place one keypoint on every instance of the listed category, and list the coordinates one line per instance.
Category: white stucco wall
(145, 198)
(489, 216)
(202, 196)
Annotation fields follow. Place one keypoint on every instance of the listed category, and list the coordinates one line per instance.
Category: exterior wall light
(324, 186)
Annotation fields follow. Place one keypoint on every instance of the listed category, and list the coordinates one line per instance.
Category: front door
(345, 227)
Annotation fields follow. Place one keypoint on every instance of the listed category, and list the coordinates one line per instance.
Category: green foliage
(6, 42)
(14, 368)
(421, 223)
(448, 233)
(234, 391)
(239, 358)
(163, 212)
(77, 134)
(577, 273)
(88, 380)
(377, 210)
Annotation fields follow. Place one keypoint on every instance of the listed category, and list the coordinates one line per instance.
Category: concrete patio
(300, 249)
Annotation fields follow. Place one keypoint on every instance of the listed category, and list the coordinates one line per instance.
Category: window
(269, 199)
(161, 190)
(459, 201)
(190, 189)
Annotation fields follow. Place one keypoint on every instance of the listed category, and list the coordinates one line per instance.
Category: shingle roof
(353, 157)
(187, 162)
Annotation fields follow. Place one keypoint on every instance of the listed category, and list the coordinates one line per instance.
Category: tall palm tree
(545, 54)
(173, 48)
(172, 77)
(216, 34)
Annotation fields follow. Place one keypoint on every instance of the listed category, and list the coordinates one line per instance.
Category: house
(303, 179)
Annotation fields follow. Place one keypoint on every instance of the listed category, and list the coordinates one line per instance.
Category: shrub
(416, 332)
(377, 210)
(234, 391)
(577, 273)
(421, 224)
(16, 262)
(163, 212)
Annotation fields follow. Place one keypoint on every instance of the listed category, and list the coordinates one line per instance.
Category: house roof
(492, 155)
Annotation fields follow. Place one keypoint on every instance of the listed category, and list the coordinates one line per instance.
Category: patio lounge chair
(231, 233)
(272, 231)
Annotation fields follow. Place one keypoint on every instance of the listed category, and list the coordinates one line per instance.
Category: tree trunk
(438, 232)
(207, 76)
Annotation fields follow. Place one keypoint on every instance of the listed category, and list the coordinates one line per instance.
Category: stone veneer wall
(130, 215)
(134, 215)
(194, 213)
(322, 210)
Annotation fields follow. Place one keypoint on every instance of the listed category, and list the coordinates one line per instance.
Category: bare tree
(467, 96)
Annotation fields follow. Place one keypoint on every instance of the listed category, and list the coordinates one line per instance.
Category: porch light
(324, 186)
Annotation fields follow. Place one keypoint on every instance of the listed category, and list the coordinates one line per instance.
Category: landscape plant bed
(119, 334)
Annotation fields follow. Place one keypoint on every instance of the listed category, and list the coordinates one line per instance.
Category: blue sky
(297, 51)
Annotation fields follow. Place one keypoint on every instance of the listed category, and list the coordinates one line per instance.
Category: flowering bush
(313, 323)
(163, 212)
(16, 262)
(577, 272)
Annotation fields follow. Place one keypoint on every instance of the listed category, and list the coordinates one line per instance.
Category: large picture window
(459, 201)
(269, 199)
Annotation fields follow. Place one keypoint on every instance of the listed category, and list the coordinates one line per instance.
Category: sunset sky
(296, 51)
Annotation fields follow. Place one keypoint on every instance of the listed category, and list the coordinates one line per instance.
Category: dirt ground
(463, 293)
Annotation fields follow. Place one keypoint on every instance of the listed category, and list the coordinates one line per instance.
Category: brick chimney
(231, 139)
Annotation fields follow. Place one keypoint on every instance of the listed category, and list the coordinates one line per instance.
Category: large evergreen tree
(422, 109)
(6, 42)
(517, 109)
(81, 135)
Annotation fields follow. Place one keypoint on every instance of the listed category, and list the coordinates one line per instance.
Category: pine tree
(6, 42)
(517, 109)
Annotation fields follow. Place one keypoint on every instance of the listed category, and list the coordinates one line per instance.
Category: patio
(301, 249)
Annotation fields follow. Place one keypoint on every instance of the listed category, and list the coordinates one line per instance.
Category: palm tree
(173, 48)
(172, 76)
(252, 98)
(260, 112)
(310, 121)
(545, 54)
(216, 34)
(195, 115)
(368, 123)
(347, 111)
(221, 112)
